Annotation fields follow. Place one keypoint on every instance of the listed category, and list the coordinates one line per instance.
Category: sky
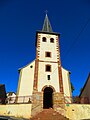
(19, 21)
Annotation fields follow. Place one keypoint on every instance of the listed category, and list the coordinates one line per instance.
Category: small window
(48, 77)
(48, 68)
(31, 66)
(44, 39)
(51, 40)
(47, 54)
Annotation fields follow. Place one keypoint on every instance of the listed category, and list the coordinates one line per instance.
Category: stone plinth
(37, 103)
(58, 102)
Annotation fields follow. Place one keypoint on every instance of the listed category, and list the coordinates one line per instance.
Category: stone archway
(48, 97)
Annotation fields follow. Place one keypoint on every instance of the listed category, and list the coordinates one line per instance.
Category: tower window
(48, 68)
(51, 40)
(44, 39)
(47, 54)
(48, 77)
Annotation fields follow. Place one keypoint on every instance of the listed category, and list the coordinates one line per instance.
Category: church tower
(48, 64)
(44, 81)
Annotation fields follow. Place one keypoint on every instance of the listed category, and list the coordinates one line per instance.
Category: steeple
(47, 26)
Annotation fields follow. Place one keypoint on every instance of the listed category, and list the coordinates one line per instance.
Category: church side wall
(67, 86)
(25, 87)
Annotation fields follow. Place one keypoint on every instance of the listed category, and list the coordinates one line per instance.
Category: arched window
(48, 68)
(52, 40)
(44, 39)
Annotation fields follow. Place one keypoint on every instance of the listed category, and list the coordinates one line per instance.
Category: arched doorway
(48, 97)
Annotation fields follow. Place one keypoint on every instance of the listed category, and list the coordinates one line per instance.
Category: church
(44, 82)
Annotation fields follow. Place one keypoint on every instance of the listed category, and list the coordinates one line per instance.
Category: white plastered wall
(53, 61)
(48, 47)
(26, 79)
(66, 85)
(42, 76)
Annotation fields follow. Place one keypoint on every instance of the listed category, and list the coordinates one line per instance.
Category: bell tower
(48, 63)
(48, 72)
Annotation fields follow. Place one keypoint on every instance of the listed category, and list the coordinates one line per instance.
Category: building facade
(44, 82)
(11, 96)
(85, 92)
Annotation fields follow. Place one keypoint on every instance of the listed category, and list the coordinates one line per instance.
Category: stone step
(49, 114)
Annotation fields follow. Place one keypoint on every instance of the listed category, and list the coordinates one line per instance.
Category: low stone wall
(78, 111)
(17, 110)
(72, 111)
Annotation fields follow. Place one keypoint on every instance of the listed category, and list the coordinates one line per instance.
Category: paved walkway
(49, 114)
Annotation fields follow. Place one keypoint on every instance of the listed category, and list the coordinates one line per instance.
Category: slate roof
(47, 26)
(85, 85)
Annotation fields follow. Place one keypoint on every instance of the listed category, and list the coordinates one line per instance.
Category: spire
(47, 26)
